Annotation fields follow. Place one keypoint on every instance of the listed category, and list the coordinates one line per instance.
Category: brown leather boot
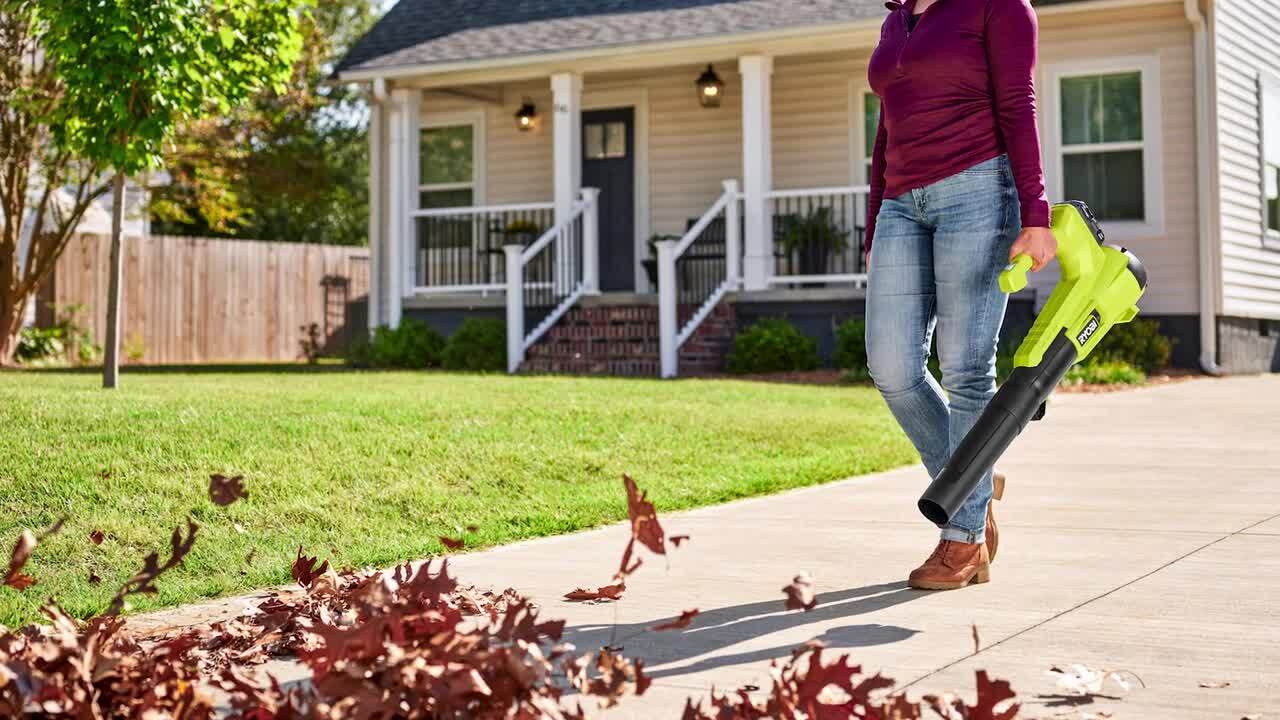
(993, 533)
(952, 565)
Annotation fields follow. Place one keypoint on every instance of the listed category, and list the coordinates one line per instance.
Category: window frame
(476, 120)
(860, 159)
(1152, 146)
(1268, 92)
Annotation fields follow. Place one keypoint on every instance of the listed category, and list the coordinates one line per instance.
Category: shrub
(65, 342)
(480, 345)
(773, 345)
(1138, 344)
(1104, 372)
(412, 346)
(851, 345)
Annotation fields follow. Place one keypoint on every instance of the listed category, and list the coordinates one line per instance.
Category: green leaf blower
(1100, 288)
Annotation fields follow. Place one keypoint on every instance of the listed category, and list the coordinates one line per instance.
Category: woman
(956, 177)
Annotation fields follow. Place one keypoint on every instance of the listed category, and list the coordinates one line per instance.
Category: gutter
(1206, 138)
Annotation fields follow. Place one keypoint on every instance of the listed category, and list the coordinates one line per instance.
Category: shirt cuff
(1035, 213)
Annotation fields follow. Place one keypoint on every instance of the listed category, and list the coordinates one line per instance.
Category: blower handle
(1014, 277)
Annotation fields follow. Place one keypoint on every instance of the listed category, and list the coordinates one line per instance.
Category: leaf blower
(1100, 288)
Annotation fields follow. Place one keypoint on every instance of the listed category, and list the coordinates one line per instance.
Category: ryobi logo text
(1091, 327)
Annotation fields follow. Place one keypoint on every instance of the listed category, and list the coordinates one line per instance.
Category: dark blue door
(608, 163)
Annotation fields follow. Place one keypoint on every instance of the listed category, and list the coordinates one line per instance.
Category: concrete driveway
(1140, 532)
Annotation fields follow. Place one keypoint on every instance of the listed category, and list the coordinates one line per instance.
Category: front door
(608, 163)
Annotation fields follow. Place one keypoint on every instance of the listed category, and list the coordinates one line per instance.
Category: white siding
(1171, 257)
(1245, 39)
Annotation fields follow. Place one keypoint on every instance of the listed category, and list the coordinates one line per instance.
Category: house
(627, 182)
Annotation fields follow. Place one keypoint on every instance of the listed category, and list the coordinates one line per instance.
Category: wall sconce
(526, 116)
(710, 88)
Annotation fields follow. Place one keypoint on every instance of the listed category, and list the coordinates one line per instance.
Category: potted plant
(523, 232)
(813, 239)
(651, 264)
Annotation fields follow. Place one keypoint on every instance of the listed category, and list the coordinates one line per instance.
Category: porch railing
(545, 279)
(818, 235)
(695, 273)
(460, 250)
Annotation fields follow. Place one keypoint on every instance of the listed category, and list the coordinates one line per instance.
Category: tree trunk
(12, 312)
(111, 360)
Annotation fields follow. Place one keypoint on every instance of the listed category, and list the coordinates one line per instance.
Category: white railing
(688, 294)
(547, 278)
(459, 249)
(818, 235)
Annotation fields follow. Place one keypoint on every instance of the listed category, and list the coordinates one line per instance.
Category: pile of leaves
(402, 644)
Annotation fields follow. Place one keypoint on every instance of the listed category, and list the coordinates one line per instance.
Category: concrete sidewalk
(1140, 532)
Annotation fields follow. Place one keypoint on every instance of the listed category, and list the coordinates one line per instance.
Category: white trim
(478, 209)
(636, 98)
(856, 279)
(1152, 145)
(816, 192)
(1268, 93)
(757, 168)
(477, 118)
(859, 170)
(376, 217)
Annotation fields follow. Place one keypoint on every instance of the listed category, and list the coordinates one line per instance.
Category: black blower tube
(1016, 404)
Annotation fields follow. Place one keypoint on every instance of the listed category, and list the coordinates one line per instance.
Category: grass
(370, 468)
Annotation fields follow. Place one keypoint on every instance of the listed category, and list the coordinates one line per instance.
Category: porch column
(566, 91)
(377, 244)
(757, 169)
(403, 190)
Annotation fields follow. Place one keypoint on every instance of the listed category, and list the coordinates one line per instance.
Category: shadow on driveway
(670, 653)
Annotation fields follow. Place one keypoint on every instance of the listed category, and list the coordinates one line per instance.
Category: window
(447, 171)
(1270, 102)
(605, 141)
(1103, 145)
(870, 124)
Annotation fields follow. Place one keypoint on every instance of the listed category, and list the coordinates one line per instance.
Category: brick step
(618, 368)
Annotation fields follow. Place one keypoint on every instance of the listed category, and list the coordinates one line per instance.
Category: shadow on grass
(670, 653)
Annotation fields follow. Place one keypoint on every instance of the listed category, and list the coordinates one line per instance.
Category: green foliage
(480, 345)
(851, 350)
(65, 342)
(133, 69)
(1104, 372)
(287, 166)
(1138, 343)
(815, 230)
(522, 227)
(411, 346)
(773, 345)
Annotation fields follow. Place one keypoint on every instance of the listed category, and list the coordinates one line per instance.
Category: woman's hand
(1039, 243)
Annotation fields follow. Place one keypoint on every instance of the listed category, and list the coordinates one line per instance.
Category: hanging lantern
(710, 88)
(526, 116)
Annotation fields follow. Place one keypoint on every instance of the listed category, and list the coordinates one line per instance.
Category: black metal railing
(704, 265)
(818, 234)
(462, 248)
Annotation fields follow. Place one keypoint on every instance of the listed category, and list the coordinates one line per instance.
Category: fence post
(591, 241)
(668, 349)
(515, 306)
(732, 237)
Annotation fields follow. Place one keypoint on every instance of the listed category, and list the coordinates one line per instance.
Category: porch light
(710, 88)
(526, 115)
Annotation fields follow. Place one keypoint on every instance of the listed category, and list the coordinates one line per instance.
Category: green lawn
(369, 468)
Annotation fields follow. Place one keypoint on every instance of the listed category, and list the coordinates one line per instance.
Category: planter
(813, 258)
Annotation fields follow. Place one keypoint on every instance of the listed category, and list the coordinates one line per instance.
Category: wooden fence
(198, 300)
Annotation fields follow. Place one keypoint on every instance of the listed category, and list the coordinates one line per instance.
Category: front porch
(621, 196)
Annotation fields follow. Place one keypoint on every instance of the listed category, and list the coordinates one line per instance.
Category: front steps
(622, 340)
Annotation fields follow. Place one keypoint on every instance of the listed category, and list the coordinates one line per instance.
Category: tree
(133, 69)
(44, 189)
(284, 166)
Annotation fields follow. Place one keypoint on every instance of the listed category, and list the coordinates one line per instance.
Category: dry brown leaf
(225, 490)
(452, 544)
(679, 623)
(1215, 684)
(800, 595)
(602, 594)
(97, 537)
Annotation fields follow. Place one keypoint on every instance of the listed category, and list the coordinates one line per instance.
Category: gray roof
(425, 32)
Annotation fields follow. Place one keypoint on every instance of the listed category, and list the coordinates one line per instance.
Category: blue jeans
(936, 262)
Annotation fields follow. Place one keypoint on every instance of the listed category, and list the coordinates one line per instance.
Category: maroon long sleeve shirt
(955, 91)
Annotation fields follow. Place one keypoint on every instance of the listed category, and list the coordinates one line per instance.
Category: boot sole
(983, 575)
